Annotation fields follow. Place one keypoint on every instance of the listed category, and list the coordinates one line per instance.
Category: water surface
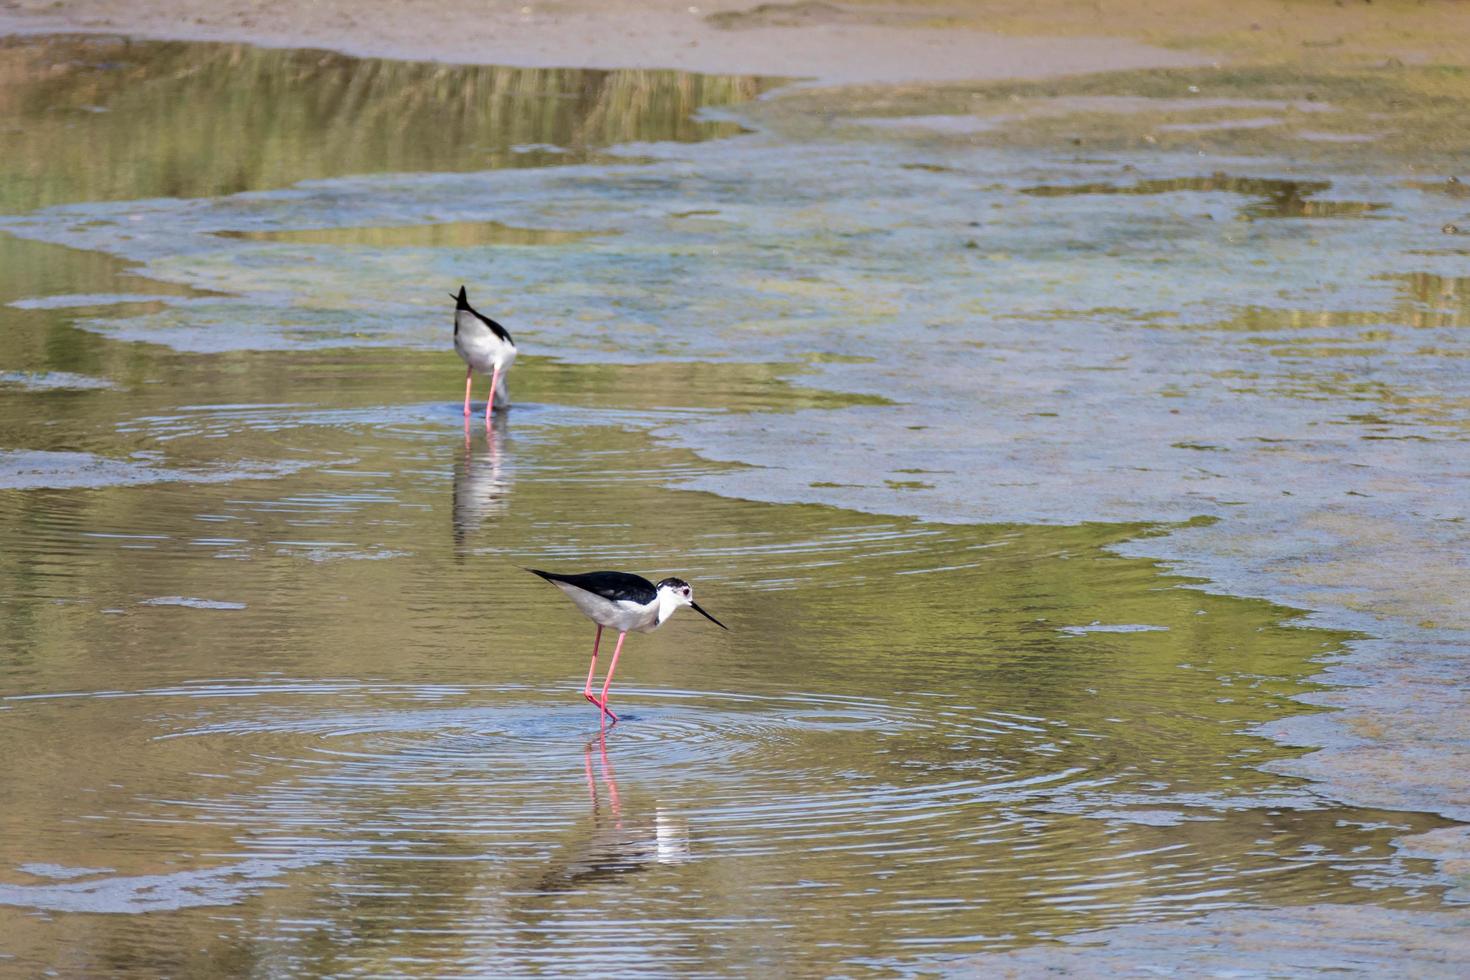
(280, 699)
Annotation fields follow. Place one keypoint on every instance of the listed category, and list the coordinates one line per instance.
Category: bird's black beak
(695, 607)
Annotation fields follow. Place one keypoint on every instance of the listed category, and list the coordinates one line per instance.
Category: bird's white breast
(478, 345)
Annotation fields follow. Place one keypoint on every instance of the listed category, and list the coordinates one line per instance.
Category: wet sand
(830, 43)
(883, 41)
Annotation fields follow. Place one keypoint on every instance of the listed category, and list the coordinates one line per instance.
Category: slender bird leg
(608, 683)
(490, 402)
(469, 380)
(592, 670)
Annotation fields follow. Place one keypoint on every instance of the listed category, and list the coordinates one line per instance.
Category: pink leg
(490, 402)
(592, 670)
(608, 683)
(469, 380)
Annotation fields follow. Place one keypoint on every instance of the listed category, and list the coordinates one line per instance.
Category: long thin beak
(695, 607)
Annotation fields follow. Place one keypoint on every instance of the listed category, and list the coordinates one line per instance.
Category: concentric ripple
(948, 824)
(915, 738)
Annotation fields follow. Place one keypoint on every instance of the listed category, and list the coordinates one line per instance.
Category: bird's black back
(462, 302)
(613, 586)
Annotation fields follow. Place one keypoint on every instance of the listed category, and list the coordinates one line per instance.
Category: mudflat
(848, 42)
(836, 44)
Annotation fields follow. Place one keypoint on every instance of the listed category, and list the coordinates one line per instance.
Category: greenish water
(322, 723)
(278, 699)
(109, 119)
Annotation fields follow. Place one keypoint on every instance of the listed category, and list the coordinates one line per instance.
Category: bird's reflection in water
(621, 836)
(481, 482)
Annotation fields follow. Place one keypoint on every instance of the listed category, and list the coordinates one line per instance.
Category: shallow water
(273, 677)
(111, 119)
(321, 722)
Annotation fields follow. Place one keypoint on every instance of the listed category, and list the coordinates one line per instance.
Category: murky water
(272, 677)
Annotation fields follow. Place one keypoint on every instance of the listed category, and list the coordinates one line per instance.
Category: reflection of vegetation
(1351, 342)
(1426, 301)
(31, 268)
(1291, 202)
(1218, 182)
(1451, 187)
(111, 119)
(1434, 301)
(449, 234)
(1283, 198)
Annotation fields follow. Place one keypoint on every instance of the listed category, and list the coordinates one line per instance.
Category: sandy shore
(854, 41)
(811, 40)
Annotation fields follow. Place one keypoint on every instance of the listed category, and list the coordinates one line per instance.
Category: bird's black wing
(613, 586)
(462, 302)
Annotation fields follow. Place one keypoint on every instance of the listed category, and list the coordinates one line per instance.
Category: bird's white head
(675, 592)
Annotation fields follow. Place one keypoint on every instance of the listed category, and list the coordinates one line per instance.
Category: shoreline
(842, 42)
(834, 48)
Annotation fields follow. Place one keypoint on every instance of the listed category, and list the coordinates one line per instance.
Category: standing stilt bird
(484, 346)
(620, 601)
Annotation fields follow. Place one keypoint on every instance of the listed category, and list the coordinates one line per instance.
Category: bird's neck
(666, 606)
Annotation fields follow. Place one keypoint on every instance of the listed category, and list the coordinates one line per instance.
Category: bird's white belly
(482, 350)
(621, 615)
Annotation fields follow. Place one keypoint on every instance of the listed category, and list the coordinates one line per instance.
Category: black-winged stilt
(484, 346)
(624, 602)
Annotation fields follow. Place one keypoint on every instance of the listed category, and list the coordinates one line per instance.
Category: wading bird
(624, 602)
(484, 346)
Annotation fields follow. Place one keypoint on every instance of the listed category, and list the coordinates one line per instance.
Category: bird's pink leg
(592, 670)
(608, 683)
(490, 402)
(469, 380)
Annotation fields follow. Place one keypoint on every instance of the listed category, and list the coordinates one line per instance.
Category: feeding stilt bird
(623, 602)
(484, 346)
